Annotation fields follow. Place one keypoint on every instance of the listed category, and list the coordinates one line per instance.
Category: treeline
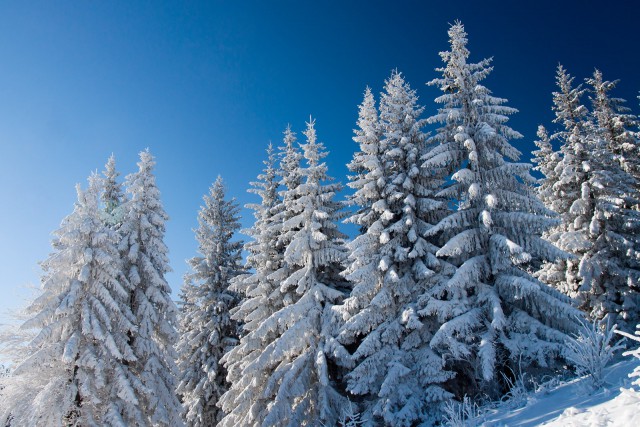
(466, 271)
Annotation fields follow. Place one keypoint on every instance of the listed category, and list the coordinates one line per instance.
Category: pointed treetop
(289, 137)
(310, 132)
(112, 196)
(110, 167)
(147, 160)
(290, 161)
(313, 150)
(218, 187)
(612, 115)
(458, 40)
(566, 102)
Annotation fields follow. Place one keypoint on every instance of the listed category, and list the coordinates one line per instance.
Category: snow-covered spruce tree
(366, 164)
(610, 268)
(145, 264)
(615, 123)
(492, 310)
(547, 161)
(571, 116)
(112, 196)
(291, 174)
(73, 374)
(595, 193)
(264, 256)
(391, 265)
(207, 330)
(244, 403)
(291, 370)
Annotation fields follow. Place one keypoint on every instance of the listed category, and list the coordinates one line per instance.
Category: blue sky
(207, 85)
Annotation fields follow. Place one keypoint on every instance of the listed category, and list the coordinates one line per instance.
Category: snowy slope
(574, 404)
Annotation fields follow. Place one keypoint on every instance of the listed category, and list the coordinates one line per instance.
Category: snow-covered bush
(592, 349)
(461, 414)
(518, 392)
(635, 353)
(350, 416)
(548, 383)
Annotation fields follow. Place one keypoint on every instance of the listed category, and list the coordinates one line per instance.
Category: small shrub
(461, 414)
(517, 395)
(592, 349)
(350, 417)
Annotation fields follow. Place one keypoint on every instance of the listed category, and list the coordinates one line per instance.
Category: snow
(574, 404)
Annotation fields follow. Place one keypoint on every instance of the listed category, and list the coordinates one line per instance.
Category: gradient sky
(207, 85)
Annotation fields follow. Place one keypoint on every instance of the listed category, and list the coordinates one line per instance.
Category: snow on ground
(574, 404)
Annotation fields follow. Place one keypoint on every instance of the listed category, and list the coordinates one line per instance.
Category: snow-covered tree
(595, 193)
(391, 264)
(492, 310)
(207, 330)
(571, 116)
(610, 267)
(264, 256)
(75, 369)
(145, 264)
(547, 161)
(261, 297)
(291, 174)
(615, 125)
(112, 195)
(287, 382)
(366, 164)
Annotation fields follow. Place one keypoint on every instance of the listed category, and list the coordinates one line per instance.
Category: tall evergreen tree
(596, 193)
(74, 373)
(391, 264)
(492, 310)
(610, 272)
(263, 255)
(547, 161)
(207, 330)
(291, 370)
(366, 163)
(568, 235)
(145, 258)
(244, 403)
(614, 122)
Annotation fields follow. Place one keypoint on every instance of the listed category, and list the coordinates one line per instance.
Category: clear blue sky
(207, 85)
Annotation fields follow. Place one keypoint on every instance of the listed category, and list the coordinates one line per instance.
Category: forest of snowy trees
(467, 269)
